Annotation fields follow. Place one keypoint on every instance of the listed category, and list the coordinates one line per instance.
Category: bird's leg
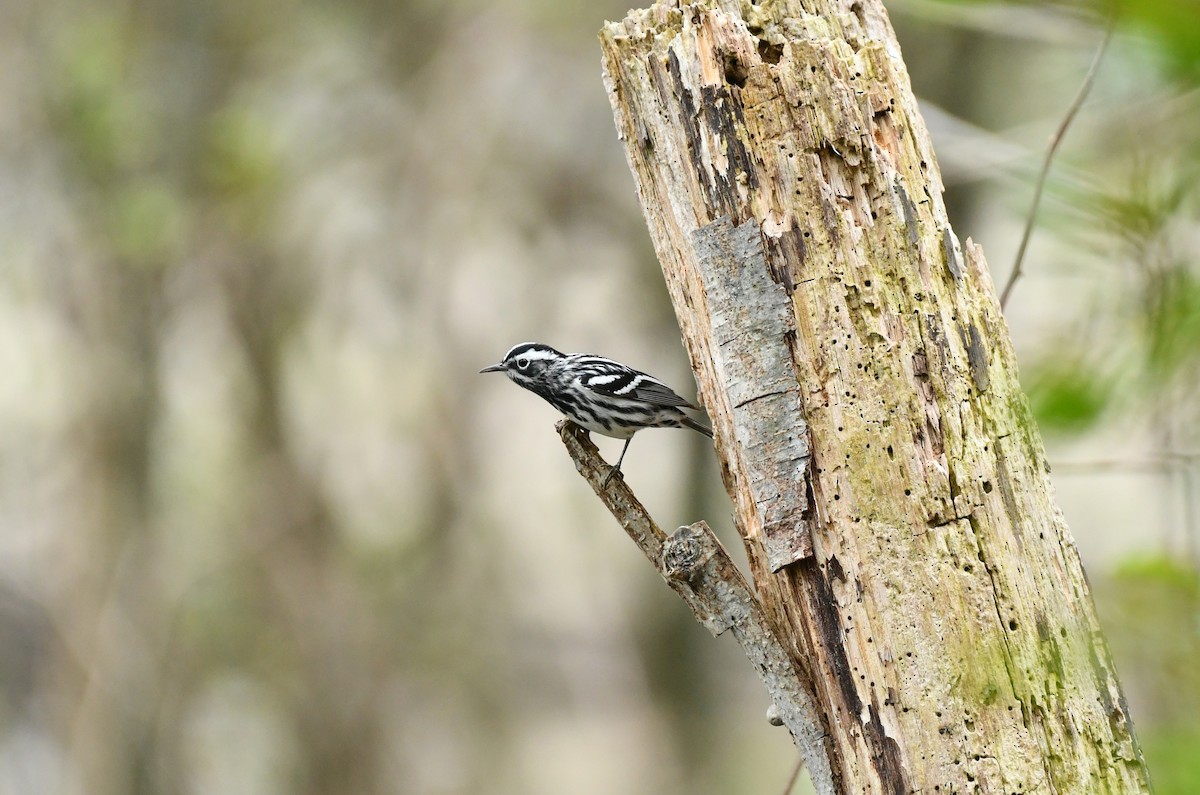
(616, 469)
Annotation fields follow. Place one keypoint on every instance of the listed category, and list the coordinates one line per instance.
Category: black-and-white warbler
(597, 393)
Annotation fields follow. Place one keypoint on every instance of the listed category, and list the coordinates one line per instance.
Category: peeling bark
(889, 482)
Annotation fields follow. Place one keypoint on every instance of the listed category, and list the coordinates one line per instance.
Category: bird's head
(525, 363)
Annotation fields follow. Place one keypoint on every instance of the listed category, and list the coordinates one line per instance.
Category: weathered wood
(889, 481)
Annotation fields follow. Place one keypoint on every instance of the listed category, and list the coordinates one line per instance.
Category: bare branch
(696, 566)
(1055, 140)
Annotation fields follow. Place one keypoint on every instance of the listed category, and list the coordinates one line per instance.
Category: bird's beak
(495, 368)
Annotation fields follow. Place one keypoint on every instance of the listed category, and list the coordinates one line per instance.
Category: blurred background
(263, 529)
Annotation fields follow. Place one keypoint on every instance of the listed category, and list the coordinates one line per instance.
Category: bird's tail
(688, 422)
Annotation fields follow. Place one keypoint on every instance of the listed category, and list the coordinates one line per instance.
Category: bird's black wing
(615, 380)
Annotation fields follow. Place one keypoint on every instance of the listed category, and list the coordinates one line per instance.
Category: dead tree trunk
(889, 481)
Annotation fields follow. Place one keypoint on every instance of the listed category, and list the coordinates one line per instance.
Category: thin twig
(1115, 466)
(795, 776)
(1055, 140)
(1191, 512)
(1163, 461)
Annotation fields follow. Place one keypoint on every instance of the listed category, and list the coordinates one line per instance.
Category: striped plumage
(597, 393)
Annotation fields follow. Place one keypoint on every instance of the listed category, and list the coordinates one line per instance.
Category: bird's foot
(612, 472)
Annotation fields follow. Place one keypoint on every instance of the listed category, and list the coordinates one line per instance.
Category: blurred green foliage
(1066, 397)
(255, 251)
(100, 113)
(243, 157)
(1172, 25)
(1171, 755)
(148, 223)
(1150, 607)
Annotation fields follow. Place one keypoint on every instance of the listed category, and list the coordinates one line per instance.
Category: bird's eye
(523, 363)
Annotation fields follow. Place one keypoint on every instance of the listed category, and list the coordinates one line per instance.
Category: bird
(598, 394)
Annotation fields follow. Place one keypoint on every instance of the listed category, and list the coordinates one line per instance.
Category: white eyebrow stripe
(535, 354)
(514, 348)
